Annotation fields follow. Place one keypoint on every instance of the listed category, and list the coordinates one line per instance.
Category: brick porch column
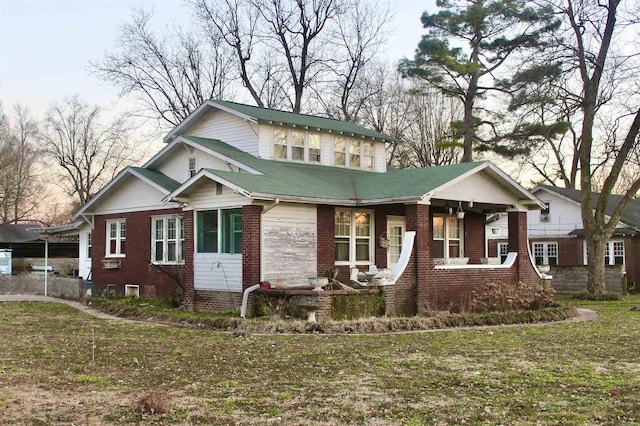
(326, 229)
(251, 216)
(189, 242)
(417, 219)
(518, 243)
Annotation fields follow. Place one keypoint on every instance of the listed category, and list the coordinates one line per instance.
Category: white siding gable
(478, 188)
(228, 128)
(176, 164)
(132, 195)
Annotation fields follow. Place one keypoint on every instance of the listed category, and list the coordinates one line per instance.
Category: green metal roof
(304, 120)
(158, 178)
(312, 181)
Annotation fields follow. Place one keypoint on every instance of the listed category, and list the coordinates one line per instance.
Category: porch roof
(328, 184)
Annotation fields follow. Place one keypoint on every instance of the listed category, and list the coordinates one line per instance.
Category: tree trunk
(596, 249)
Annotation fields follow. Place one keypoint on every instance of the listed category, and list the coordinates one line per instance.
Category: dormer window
(352, 153)
(193, 166)
(296, 145)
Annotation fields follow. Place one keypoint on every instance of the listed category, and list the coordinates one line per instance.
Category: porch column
(251, 215)
(189, 241)
(518, 242)
(418, 219)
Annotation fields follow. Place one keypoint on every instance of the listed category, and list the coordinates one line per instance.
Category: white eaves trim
(173, 196)
(199, 112)
(113, 183)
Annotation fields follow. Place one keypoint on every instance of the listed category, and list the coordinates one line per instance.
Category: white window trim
(611, 260)
(499, 247)
(118, 239)
(89, 244)
(220, 236)
(395, 221)
(545, 251)
(446, 238)
(191, 172)
(132, 290)
(347, 153)
(165, 240)
(352, 239)
(289, 145)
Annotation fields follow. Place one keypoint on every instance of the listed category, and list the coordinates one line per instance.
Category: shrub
(606, 296)
(155, 402)
(502, 297)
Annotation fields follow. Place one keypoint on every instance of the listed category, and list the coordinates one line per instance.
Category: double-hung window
(116, 238)
(89, 245)
(614, 254)
(219, 231)
(354, 242)
(447, 237)
(296, 145)
(167, 239)
(545, 253)
(353, 153)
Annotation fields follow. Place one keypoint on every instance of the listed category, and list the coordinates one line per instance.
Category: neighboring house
(241, 195)
(556, 233)
(28, 248)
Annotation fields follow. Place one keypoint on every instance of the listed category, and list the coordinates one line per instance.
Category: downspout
(245, 294)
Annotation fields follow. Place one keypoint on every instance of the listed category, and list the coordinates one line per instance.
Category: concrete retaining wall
(573, 279)
(68, 288)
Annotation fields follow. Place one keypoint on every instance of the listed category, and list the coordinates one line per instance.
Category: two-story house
(241, 195)
(556, 233)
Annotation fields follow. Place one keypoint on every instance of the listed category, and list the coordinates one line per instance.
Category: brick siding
(135, 267)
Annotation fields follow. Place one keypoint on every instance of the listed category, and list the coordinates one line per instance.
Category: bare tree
(20, 188)
(592, 46)
(355, 39)
(285, 53)
(171, 74)
(89, 153)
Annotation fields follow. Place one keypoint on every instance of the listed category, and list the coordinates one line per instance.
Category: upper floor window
(354, 244)
(545, 214)
(353, 153)
(116, 237)
(296, 145)
(192, 166)
(545, 253)
(447, 237)
(167, 239)
(219, 231)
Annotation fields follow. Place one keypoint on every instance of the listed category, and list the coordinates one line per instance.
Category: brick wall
(217, 301)
(474, 237)
(411, 293)
(135, 267)
(632, 259)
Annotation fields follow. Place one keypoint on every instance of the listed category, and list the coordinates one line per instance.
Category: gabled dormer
(285, 136)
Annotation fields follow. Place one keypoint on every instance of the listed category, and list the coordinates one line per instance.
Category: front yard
(564, 373)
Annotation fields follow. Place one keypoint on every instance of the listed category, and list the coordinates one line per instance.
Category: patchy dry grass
(565, 373)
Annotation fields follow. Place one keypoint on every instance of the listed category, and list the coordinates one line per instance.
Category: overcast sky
(45, 45)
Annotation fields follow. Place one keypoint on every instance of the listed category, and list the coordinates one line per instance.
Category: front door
(395, 233)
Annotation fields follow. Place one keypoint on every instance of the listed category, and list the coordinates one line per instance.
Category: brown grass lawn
(565, 373)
